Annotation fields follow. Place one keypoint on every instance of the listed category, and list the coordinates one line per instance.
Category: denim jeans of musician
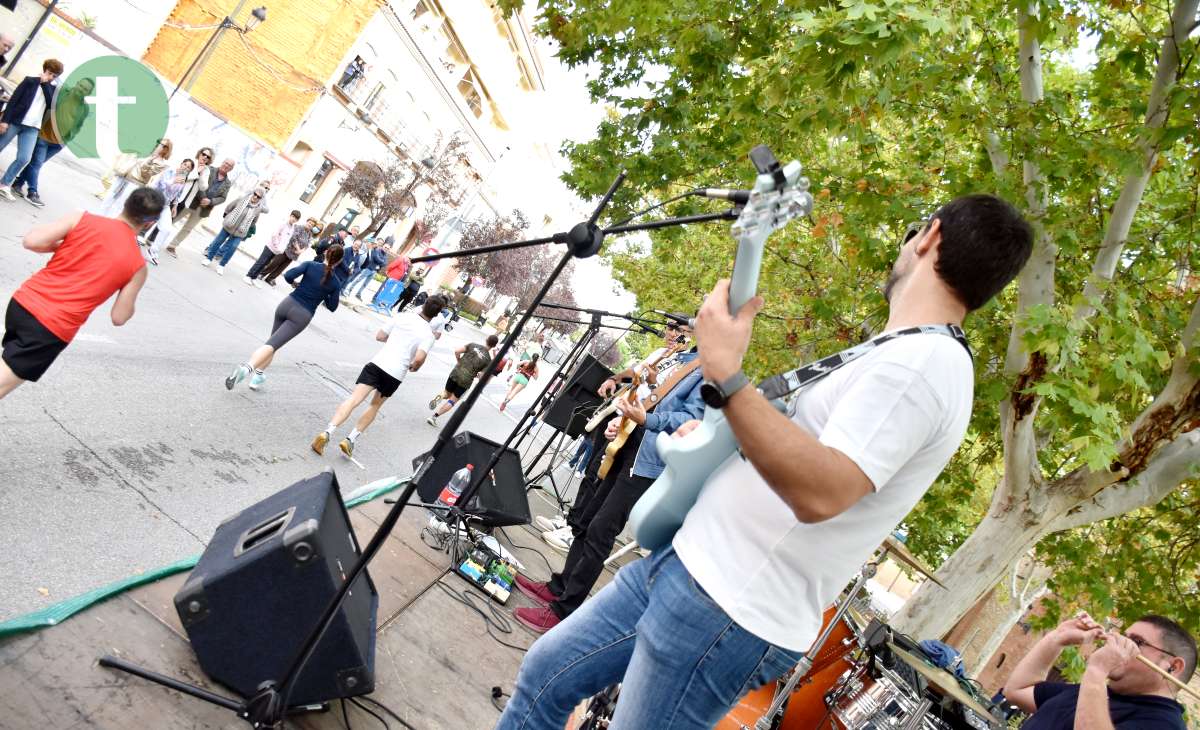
(42, 152)
(682, 661)
(224, 245)
(26, 138)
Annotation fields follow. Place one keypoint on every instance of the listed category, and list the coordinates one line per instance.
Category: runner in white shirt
(774, 537)
(408, 339)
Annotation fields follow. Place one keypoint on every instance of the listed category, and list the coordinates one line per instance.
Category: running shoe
(205, 262)
(247, 281)
(432, 421)
(318, 444)
(550, 524)
(7, 192)
(257, 380)
(238, 375)
(347, 447)
(34, 199)
(220, 270)
(258, 283)
(152, 259)
(434, 403)
(18, 192)
(560, 540)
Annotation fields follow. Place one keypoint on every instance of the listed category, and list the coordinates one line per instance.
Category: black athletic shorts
(379, 379)
(29, 348)
(454, 388)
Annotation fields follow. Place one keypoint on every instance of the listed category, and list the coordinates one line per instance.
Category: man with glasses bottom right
(1117, 689)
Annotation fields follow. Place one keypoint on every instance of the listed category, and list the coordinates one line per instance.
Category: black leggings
(290, 320)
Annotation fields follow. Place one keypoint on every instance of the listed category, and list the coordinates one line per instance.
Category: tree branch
(1168, 468)
(1105, 265)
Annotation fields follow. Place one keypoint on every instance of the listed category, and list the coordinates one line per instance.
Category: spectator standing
(68, 111)
(396, 271)
(239, 216)
(6, 45)
(355, 255)
(139, 174)
(275, 247)
(373, 261)
(211, 191)
(301, 239)
(23, 117)
(170, 184)
(341, 236)
(415, 280)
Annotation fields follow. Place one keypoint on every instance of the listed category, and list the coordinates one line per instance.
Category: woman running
(318, 282)
(526, 371)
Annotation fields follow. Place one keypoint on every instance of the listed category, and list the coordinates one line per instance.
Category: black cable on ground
(369, 711)
(535, 551)
(389, 711)
(497, 695)
(345, 715)
(496, 620)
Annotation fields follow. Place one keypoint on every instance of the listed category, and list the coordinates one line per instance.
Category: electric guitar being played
(779, 195)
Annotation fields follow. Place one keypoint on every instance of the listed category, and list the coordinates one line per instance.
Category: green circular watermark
(111, 105)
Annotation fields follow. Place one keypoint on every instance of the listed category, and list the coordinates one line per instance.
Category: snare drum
(805, 707)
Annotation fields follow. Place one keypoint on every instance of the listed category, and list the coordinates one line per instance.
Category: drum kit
(859, 674)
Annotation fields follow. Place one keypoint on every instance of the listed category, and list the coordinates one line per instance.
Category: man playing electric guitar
(737, 597)
(602, 508)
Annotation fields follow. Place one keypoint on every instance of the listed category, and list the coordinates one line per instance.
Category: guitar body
(614, 447)
(690, 460)
(605, 411)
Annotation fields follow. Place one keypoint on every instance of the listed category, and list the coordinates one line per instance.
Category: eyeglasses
(205, 155)
(912, 231)
(1140, 642)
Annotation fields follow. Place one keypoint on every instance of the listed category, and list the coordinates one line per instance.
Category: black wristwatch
(716, 395)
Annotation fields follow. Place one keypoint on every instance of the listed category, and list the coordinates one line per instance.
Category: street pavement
(130, 451)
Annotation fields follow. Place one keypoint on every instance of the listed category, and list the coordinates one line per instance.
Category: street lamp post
(257, 16)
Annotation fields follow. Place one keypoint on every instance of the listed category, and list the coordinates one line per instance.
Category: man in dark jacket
(69, 110)
(374, 260)
(341, 236)
(214, 189)
(23, 117)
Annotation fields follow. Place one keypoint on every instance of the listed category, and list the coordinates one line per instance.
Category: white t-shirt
(899, 412)
(37, 109)
(663, 370)
(408, 332)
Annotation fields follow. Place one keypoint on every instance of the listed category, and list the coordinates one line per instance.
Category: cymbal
(902, 554)
(943, 681)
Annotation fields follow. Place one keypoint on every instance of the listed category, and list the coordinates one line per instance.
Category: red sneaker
(539, 620)
(539, 592)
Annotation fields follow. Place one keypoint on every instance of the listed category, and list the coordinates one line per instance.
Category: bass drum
(805, 707)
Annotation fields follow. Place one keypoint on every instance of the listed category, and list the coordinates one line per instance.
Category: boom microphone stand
(269, 706)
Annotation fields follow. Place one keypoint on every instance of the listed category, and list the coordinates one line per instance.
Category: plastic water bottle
(454, 488)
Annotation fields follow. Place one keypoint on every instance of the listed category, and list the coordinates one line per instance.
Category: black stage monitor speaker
(501, 501)
(577, 401)
(264, 581)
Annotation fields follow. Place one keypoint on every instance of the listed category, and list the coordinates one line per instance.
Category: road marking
(84, 337)
(344, 364)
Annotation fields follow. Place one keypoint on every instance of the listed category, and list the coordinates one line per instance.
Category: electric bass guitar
(627, 425)
(779, 195)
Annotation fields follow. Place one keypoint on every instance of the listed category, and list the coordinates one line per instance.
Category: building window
(315, 184)
(466, 87)
(375, 97)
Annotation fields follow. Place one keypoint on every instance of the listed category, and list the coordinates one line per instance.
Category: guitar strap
(663, 390)
(778, 386)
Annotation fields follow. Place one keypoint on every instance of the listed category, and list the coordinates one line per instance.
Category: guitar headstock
(779, 195)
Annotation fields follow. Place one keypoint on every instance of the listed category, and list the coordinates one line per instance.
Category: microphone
(649, 330)
(738, 197)
(677, 319)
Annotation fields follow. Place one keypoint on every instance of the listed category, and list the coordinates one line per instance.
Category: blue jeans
(42, 152)
(361, 279)
(681, 660)
(26, 140)
(224, 245)
(582, 454)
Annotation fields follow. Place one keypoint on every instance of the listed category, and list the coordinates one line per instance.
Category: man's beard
(893, 279)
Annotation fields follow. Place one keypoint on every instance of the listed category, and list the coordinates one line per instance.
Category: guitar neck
(743, 282)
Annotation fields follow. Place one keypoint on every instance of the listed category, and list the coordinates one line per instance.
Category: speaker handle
(263, 531)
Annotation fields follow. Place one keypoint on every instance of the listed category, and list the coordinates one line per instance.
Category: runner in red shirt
(93, 258)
